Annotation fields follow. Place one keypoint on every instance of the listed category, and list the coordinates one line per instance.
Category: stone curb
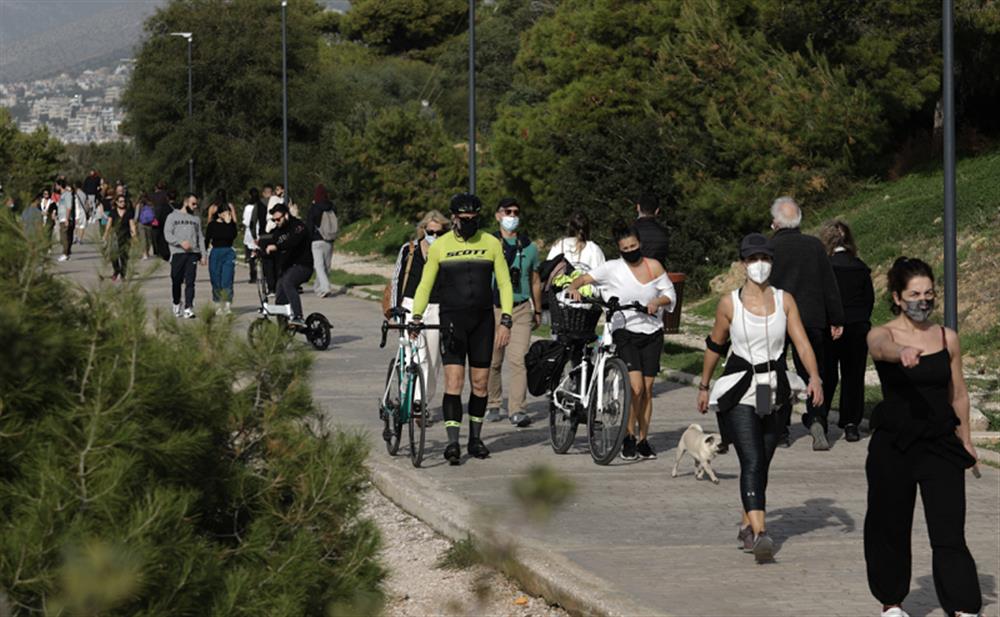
(538, 569)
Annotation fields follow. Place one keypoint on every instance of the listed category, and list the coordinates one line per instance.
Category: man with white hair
(802, 268)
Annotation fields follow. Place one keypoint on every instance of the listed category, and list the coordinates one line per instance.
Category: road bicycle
(316, 329)
(592, 387)
(403, 400)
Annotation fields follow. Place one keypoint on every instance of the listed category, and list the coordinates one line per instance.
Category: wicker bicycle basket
(574, 320)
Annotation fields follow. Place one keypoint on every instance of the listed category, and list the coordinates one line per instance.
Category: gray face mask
(919, 310)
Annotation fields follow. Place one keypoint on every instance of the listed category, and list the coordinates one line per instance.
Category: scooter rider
(292, 247)
(467, 260)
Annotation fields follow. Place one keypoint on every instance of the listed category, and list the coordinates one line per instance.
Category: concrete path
(632, 540)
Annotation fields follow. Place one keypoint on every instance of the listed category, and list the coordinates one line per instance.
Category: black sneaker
(520, 419)
(851, 432)
(785, 441)
(628, 448)
(453, 453)
(478, 449)
(645, 450)
(745, 539)
(763, 548)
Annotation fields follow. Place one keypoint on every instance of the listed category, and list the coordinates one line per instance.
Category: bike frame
(405, 373)
(599, 354)
(600, 350)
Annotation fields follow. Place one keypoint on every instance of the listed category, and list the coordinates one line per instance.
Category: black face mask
(632, 257)
(468, 227)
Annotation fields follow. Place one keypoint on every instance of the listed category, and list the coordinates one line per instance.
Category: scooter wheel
(318, 331)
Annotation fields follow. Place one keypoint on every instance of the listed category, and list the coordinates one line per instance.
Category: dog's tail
(697, 426)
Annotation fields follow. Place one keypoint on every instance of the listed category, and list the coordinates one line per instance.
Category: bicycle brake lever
(385, 332)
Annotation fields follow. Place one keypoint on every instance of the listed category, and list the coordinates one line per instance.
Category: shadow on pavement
(923, 601)
(785, 523)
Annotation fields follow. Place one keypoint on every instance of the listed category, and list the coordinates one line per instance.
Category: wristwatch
(507, 321)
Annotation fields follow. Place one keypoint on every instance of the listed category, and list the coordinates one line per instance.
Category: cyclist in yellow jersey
(464, 263)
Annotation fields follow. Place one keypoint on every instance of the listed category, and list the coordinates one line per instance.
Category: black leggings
(755, 440)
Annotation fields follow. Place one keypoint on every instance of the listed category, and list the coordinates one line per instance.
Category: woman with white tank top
(754, 320)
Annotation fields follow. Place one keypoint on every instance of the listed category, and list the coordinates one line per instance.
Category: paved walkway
(633, 538)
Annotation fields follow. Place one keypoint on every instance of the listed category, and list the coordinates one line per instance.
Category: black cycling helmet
(465, 203)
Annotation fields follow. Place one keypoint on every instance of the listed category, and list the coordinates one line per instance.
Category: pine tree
(150, 468)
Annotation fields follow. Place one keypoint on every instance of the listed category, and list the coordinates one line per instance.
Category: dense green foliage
(165, 469)
(27, 160)
(582, 104)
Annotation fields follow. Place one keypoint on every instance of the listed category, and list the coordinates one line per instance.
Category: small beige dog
(702, 448)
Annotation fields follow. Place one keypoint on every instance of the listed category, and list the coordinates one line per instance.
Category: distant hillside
(41, 39)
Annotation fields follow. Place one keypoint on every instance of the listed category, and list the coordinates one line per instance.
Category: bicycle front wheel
(418, 424)
(390, 409)
(562, 425)
(607, 418)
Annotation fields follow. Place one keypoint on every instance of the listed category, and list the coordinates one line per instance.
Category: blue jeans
(221, 270)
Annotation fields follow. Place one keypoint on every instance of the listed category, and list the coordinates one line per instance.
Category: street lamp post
(190, 37)
(948, 96)
(472, 96)
(284, 97)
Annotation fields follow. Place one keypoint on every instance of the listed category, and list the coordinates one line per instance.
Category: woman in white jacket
(577, 247)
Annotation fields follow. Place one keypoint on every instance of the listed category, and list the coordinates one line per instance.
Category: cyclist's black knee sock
(477, 409)
(451, 409)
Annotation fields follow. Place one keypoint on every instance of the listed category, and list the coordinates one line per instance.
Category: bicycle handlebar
(409, 327)
(614, 306)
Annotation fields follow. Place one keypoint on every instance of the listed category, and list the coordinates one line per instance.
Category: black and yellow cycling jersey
(466, 269)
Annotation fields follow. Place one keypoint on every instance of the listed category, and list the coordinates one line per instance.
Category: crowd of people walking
(180, 231)
(812, 295)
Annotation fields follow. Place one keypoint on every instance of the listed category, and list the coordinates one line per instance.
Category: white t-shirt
(590, 257)
(247, 220)
(615, 278)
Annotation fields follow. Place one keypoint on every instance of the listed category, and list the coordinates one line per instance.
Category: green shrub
(164, 468)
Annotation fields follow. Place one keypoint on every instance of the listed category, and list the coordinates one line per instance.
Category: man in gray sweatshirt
(182, 231)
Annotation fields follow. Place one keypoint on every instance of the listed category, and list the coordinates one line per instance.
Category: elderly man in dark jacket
(802, 268)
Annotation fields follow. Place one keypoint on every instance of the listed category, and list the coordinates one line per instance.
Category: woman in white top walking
(756, 381)
(638, 337)
(577, 247)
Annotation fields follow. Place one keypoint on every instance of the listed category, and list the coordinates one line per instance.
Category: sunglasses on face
(511, 211)
(435, 232)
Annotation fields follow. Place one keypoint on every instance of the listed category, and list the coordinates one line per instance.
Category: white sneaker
(218, 308)
(227, 308)
(63, 258)
(189, 313)
(895, 611)
(177, 310)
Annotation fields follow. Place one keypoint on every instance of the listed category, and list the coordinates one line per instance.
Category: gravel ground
(417, 588)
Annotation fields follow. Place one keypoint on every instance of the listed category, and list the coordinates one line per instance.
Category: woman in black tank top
(920, 438)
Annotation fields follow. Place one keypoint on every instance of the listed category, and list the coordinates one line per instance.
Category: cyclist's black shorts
(472, 337)
(641, 352)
